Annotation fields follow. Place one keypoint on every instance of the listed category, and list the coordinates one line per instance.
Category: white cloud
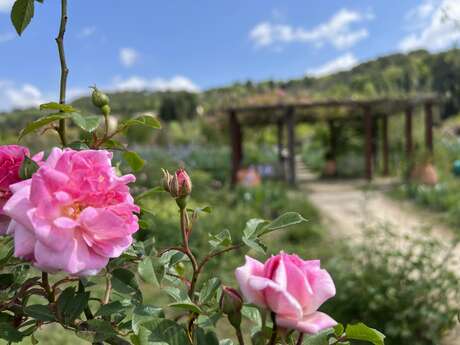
(128, 56)
(19, 96)
(5, 5)
(87, 32)
(7, 36)
(135, 83)
(337, 31)
(436, 26)
(342, 63)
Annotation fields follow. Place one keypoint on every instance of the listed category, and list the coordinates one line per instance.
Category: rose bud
(99, 98)
(106, 110)
(230, 301)
(180, 185)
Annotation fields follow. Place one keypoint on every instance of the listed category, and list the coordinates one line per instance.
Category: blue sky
(195, 45)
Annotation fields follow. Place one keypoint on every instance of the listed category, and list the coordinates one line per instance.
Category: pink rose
(73, 214)
(292, 288)
(11, 158)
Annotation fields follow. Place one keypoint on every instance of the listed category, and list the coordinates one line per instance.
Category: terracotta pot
(330, 168)
(428, 175)
(425, 174)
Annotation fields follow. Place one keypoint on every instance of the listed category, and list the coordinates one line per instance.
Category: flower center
(73, 211)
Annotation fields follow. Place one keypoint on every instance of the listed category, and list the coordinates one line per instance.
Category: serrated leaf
(78, 145)
(145, 120)
(338, 330)
(9, 333)
(39, 312)
(209, 290)
(362, 332)
(222, 240)
(114, 145)
(96, 331)
(124, 281)
(285, 220)
(186, 305)
(21, 14)
(256, 244)
(134, 160)
(87, 123)
(162, 332)
(320, 338)
(205, 337)
(65, 108)
(144, 313)
(43, 121)
(252, 225)
(111, 308)
(75, 306)
(147, 272)
(28, 168)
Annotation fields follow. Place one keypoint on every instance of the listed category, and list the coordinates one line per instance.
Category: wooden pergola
(369, 113)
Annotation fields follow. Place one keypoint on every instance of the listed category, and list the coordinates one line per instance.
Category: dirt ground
(348, 204)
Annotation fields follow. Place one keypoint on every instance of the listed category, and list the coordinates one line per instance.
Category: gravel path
(346, 205)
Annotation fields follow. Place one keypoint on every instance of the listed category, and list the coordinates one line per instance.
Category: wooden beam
(236, 140)
(429, 126)
(408, 132)
(290, 122)
(385, 146)
(368, 143)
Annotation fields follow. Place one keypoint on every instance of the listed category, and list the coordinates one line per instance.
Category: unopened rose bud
(230, 301)
(184, 182)
(99, 98)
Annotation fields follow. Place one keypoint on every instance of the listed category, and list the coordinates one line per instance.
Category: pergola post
(368, 143)
(280, 137)
(236, 140)
(429, 126)
(290, 122)
(408, 132)
(333, 135)
(385, 146)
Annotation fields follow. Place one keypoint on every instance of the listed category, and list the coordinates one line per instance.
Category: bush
(405, 286)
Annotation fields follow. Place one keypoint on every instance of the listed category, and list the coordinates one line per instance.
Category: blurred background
(371, 157)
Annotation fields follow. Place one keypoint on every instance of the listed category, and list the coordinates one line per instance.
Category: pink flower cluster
(74, 214)
(292, 288)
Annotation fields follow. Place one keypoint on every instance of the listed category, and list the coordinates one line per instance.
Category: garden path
(346, 205)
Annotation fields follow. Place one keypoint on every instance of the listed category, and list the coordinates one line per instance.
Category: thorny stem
(272, 340)
(64, 69)
(185, 239)
(108, 289)
(239, 335)
(300, 340)
(46, 286)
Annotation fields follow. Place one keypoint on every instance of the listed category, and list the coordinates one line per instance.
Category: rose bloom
(74, 214)
(11, 158)
(292, 288)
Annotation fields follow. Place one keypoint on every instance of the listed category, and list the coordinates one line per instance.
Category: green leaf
(9, 333)
(222, 240)
(338, 330)
(321, 338)
(226, 342)
(209, 290)
(114, 145)
(43, 121)
(64, 108)
(285, 220)
(134, 160)
(256, 244)
(111, 308)
(146, 120)
(21, 14)
(146, 271)
(144, 313)
(87, 123)
(6, 280)
(364, 333)
(28, 168)
(162, 332)
(124, 281)
(96, 331)
(75, 306)
(252, 225)
(78, 145)
(186, 305)
(149, 193)
(203, 337)
(39, 312)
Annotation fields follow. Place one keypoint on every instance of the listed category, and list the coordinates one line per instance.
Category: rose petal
(310, 324)
(251, 268)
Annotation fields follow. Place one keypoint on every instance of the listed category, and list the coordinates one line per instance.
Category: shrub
(405, 285)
